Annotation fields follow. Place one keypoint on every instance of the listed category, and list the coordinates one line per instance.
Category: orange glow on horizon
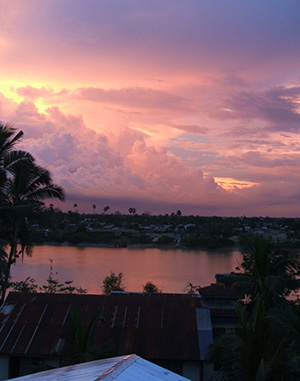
(231, 184)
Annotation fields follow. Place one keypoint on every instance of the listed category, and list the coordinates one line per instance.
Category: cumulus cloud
(32, 93)
(119, 164)
(123, 163)
(127, 102)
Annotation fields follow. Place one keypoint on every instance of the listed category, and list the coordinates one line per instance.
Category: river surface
(170, 270)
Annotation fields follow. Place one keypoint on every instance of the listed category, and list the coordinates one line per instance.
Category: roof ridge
(118, 368)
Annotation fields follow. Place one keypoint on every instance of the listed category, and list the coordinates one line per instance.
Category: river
(170, 270)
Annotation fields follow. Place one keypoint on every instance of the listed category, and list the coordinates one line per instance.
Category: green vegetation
(175, 230)
(80, 339)
(113, 282)
(23, 187)
(266, 346)
(151, 288)
(52, 285)
(191, 288)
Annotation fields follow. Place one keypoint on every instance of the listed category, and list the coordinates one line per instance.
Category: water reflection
(87, 267)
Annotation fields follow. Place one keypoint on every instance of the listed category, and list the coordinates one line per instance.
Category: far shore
(137, 246)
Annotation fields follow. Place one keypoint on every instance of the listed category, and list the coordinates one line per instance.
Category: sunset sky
(159, 105)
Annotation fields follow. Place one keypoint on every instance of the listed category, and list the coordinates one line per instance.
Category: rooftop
(123, 368)
(162, 326)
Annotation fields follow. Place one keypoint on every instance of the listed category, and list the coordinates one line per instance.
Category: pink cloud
(119, 165)
(191, 128)
(277, 106)
(149, 103)
(88, 166)
(134, 97)
(33, 93)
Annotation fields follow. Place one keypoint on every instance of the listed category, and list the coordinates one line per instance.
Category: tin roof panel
(123, 368)
(160, 326)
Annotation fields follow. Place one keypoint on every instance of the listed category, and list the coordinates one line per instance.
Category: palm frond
(53, 191)
(7, 142)
(16, 160)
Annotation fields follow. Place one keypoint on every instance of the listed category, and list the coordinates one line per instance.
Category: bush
(151, 288)
(113, 282)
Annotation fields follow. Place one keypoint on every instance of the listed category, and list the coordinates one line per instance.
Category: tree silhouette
(151, 288)
(266, 344)
(106, 208)
(113, 282)
(23, 187)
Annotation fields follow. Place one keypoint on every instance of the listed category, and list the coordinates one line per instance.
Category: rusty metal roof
(162, 326)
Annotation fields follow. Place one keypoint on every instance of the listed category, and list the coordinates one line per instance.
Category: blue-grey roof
(205, 334)
(123, 368)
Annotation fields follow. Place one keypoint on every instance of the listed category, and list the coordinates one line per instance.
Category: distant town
(169, 230)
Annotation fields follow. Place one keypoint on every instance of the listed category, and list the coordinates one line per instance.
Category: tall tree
(265, 274)
(266, 346)
(106, 208)
(23, 187)
(8, 158)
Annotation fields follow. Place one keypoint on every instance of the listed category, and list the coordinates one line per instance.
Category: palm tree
(285, 322)
(4, 276)
(266, 346)
(253, 352)
(23, 187)
(8, 155)
(269, 275)
(106, 208)
(23, 193)
(7, 138)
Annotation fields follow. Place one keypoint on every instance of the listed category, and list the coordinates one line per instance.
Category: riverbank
(139, 246)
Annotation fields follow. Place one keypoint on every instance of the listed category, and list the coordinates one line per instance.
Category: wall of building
(192, 370)
(4, 367)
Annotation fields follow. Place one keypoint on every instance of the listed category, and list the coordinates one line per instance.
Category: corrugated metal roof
(127, 368)
(153, 326)
(156, 327)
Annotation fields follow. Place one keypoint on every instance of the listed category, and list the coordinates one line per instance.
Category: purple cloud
(134, 97)
(278, 107)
